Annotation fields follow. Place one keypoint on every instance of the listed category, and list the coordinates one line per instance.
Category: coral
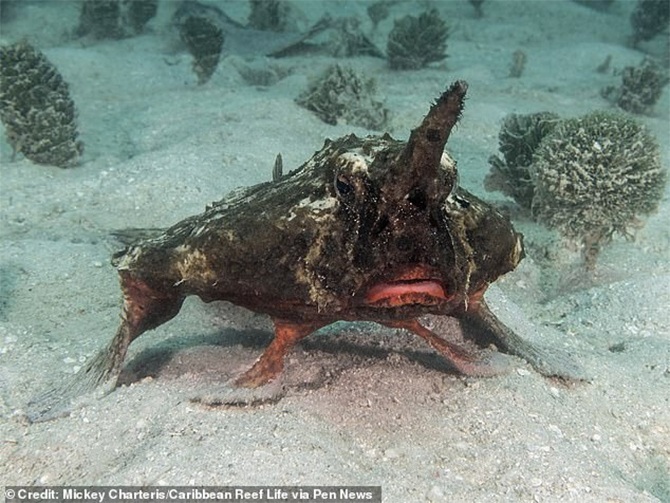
(594, 176)
(36, 108)
(8, 10)
(269, 15)
(104, 19)
(416, 41)
(204, 40)
(519, 137)
(380, 10)
(339, 93)
(348, 40)
(601, 5)
(641, 87)
(100, 19)
(477, 5)
(139, 13)
(648, 19)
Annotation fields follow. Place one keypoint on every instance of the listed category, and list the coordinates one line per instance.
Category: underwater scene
(416, 246)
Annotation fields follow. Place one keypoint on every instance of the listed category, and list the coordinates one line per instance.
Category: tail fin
(97, 378)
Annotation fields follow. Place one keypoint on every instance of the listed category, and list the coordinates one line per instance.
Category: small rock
(435, 494)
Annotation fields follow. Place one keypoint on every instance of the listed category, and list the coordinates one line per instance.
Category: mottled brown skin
(368, 229)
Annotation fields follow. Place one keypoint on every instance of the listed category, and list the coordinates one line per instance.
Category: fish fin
(271, 363)
(95, 380)
(263, 381)
(484, 364)
(131, 236)
(549, 362)
(278, 169)
(144, 309)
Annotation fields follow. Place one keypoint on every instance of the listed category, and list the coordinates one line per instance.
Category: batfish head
(397, 236)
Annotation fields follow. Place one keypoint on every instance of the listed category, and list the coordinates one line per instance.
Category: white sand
(159, 148)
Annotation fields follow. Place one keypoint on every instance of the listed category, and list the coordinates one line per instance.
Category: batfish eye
(343, 187)
(417, 198)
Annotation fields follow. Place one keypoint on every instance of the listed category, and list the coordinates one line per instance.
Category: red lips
(413, 286)
(400, 293)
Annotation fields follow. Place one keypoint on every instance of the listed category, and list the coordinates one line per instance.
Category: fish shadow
(317, 360)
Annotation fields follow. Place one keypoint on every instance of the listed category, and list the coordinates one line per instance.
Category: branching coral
(641, 87)
(100, 18)
(588, 177)
(204, 40)
(115, 18)
(36, 108)
(380, 10)
(339, 93)
(416, 41)
(594, 176)
(519, 137)
(269, 15)
(139, 13)
(477, 5)
(649, 18)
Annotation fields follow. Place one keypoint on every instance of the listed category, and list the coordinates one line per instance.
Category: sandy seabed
(361, 408)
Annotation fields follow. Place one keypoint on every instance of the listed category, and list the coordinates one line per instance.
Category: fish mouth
(414, 287)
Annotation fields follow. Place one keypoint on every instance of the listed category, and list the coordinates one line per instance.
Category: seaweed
(36, 108)
(340, 93)
(414, 42)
